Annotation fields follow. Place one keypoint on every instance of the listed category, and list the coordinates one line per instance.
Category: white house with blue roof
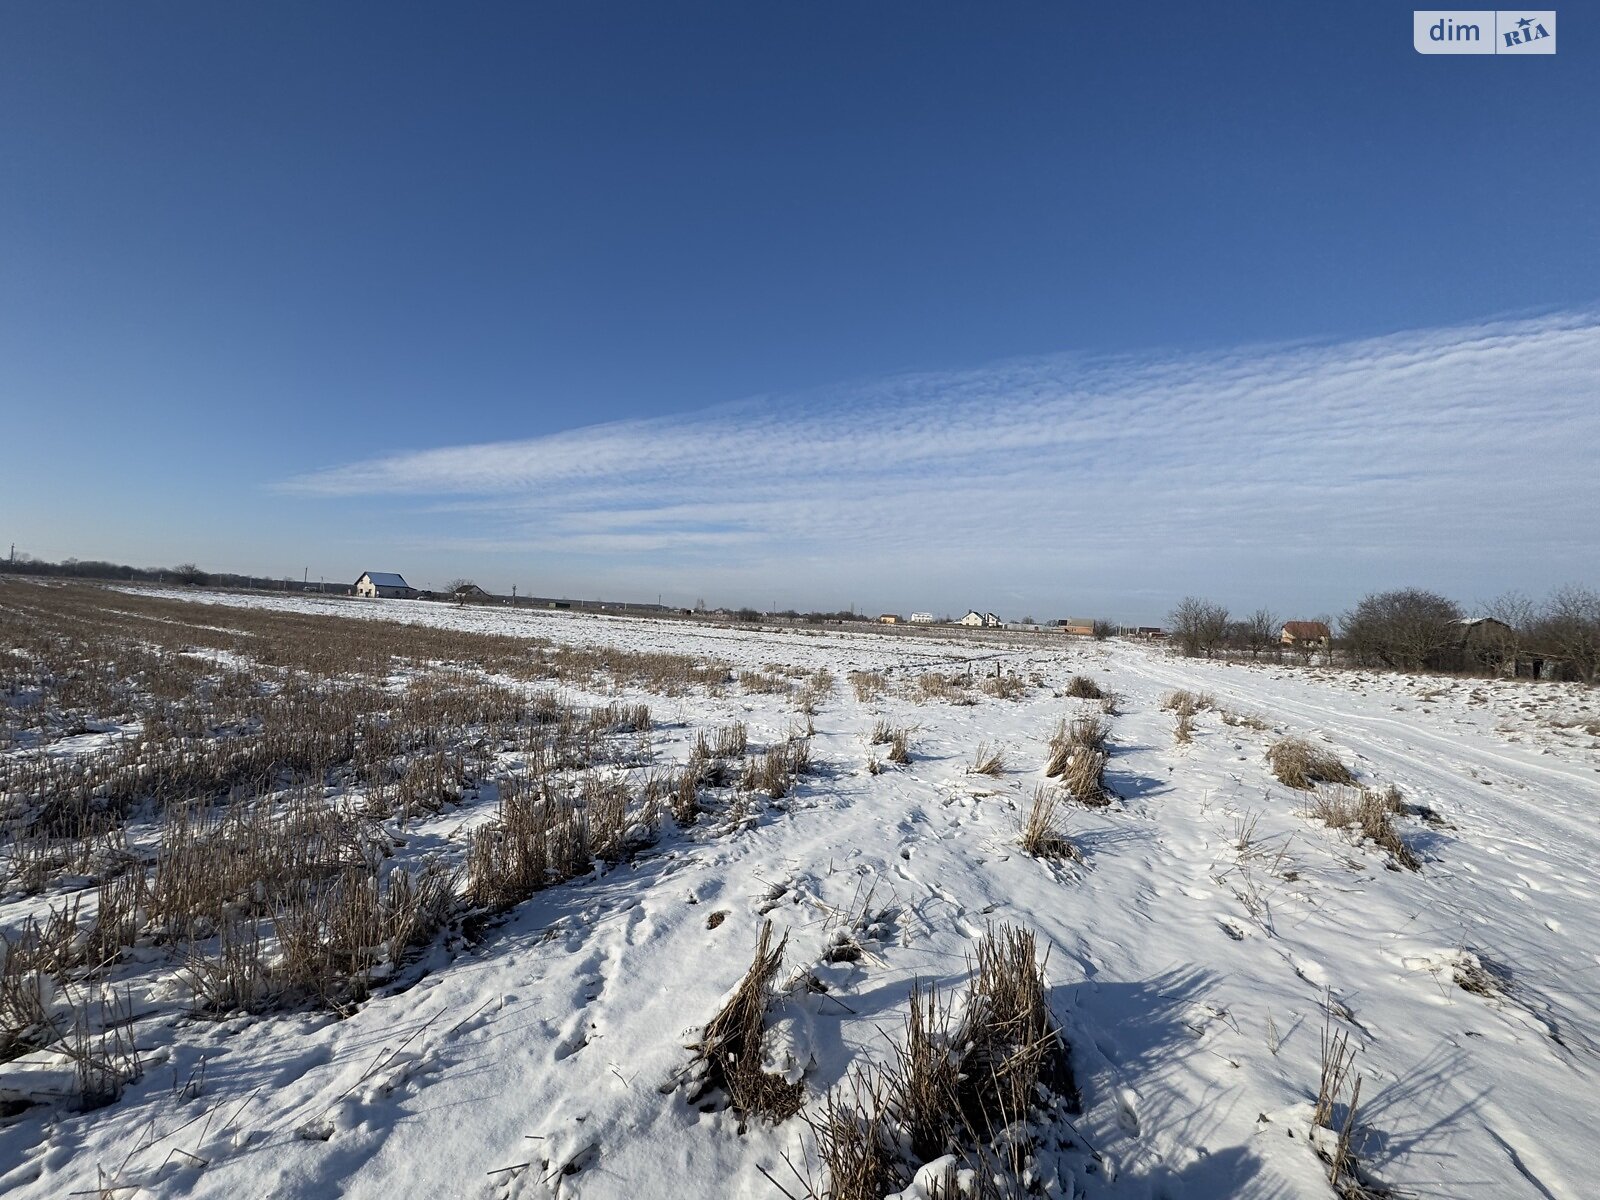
(373, 584)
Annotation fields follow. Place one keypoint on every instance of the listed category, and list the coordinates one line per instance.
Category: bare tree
(1199, 626)
(1259, 631)
(190, 574)
(1102, 630)
(1570, 628)
(1410, 629)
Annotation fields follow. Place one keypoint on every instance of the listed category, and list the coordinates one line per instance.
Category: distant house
(889, 619)
(1485, 644)
(1304, 633)
(1153, 633)
(1077, 626)
(922, 618)
(973, 617)
(386, 584)
(467, 591)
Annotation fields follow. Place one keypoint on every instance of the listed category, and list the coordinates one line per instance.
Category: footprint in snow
(570, 1045)
(1128, 1111)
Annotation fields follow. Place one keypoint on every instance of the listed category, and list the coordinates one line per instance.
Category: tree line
(94, 568)
(1413, 629)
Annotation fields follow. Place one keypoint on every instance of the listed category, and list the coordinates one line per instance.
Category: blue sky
(1041, 308)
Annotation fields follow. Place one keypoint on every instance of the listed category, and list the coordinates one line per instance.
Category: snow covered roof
(385, 579)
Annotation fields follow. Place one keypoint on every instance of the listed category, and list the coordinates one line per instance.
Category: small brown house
(1304, 633)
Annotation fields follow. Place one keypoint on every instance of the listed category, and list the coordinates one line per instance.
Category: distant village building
(889, 619)
(1485, 644)
(922, 618)
(991, 621)
(467, 591)
(386, 584)
(1304, 633)
(973, 618)
(1077, 626)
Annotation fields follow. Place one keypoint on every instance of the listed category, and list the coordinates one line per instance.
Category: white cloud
(1462, 457)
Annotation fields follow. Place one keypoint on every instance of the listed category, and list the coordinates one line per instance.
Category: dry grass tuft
(1366, 815)
(764, 683)
(1183, 728)
(1472, 974)
(781, 764)
(1078, 758)
(988, 761)
(868, 685)
(1299, 764)
(730, 1047)
(899, 747)
(1012, 1043)
(1042, 834)
(951, 689)
(686, 796)
(1006, 687)
(1081, 687)
(1085, 778)
(1342, 1159)
(1243, 720)
(730, 741)
(1188, 702)
(963, 1086)
(857, 1149)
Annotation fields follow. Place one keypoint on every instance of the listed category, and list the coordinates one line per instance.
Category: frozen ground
(1195, 954)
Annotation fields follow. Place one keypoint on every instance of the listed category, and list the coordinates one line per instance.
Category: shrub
(1409, 629)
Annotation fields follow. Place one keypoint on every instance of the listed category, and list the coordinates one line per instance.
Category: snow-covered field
(1197, 954)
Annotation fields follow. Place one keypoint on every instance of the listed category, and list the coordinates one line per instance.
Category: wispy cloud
(1464, 456)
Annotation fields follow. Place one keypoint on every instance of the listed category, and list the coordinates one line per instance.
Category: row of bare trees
(1202, 627)
(1413, 629)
